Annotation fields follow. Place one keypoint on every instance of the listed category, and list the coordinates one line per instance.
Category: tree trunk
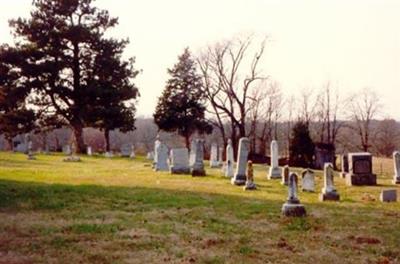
(187, 141)
(10, 144)
(78, 133)
(107, 139)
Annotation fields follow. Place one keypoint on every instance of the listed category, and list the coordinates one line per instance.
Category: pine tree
(301, 149)
(182, 107)
(15, 117)
(64, 46)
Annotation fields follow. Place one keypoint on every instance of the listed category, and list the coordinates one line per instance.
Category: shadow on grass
(16, 196)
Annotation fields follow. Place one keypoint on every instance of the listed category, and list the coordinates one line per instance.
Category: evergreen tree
(182, 107)
(301, 149)
(64, 46)
(15, 117)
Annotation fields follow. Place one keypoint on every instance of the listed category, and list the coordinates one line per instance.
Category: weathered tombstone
(126, 150)
(132, 154)
(197, 168)
(308, 181)
(214, 156)
(388, 196)
(285, 175)
(108, 154)
(293, 207)
(243, 152)
(89, 151)
(250, 177)
(192, 154)
(72, 156)
(30, 147)
(179, 161)
(360, 169)
(150, 155)
(345, 166)
(396, 161)
(230, 160)
(329, 192)
(67, 150)
(274, 170)
(160, 157)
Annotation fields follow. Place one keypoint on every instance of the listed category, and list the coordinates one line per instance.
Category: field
(120, 211)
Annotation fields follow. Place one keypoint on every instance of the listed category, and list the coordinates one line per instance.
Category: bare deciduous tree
(229, 77)
(364, 107)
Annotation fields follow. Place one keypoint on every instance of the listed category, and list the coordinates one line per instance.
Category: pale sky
(353, 44)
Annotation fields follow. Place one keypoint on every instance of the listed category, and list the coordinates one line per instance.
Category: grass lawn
(120, 211)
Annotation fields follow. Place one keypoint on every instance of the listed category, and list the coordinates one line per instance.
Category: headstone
(329, 192)
(132, 154)
(108, 154)
(285, 175)
(293, 207)
(250, 177)
(150, 155)
(214, 156)
(179, 161)
(360, 169)
(243, 152)
(274, 170)
(308, 181)
(89, 151)
(67, 150)
(192, 154)
(72, 156)
(388, 195)
(30, 147)
(396, 161)
(160, 156)
(345, 166)
(197, 168)
(230, 160)
(126, 150)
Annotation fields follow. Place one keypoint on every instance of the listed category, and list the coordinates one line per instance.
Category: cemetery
(110, 207)
(207, 147)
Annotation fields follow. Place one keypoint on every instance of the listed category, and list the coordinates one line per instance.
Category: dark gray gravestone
(360, 169)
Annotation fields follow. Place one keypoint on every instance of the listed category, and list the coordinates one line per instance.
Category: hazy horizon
(351, 44)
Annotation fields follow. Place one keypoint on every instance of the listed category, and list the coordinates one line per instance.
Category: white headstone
(243, 152)
(133, 154)
(67, 150)
(328, 191)
(214, 156)
(160, 157)
(396, 161)
(308, 181)
(89, 151)
(179, 161)
(274, 170)
(230, 160)
(150, 155)
(108, 154)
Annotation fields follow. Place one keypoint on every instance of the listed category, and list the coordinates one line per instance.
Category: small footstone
(250, 185)
(388, 196)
